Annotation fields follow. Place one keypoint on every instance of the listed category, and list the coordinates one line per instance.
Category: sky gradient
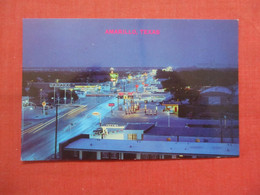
(83, 43)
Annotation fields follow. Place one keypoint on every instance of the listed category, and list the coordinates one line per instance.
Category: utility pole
(54, 95)
(56, 133)
(71, 96)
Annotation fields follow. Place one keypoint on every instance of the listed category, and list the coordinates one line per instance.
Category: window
(129, 156)
(132, 136)
(104, 155)
(114, 155)
(109, 155)
(167, 156)
(150, 156)
(76, 154)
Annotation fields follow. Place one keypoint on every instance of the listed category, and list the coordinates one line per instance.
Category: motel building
(173, 106)
(139, 141)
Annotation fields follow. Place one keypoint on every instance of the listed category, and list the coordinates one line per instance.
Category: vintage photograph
(129, 89)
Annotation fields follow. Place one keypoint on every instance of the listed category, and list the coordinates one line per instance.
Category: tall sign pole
(111, 105)
(59, 85)
(71, 96)
(54, 95)
(98, 114)
(43, 107)
(65, 97)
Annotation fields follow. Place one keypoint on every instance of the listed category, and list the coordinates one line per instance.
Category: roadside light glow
(114, 75)
(95, 113)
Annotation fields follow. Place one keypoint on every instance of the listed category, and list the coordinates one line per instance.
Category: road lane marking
(40, 126)
(52, 122)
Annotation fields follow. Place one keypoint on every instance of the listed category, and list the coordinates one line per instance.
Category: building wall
(189, 139)
(215, 99)
(112, 155)
(138, 133)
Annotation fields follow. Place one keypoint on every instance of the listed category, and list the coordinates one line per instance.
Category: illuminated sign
(111, 104)
(65, 85)
(114, 76)
(85, 86)
(43, 103)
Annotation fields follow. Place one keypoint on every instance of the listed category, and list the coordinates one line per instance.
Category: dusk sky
(83, 42)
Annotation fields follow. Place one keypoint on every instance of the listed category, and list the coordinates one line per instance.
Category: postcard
(129, 89)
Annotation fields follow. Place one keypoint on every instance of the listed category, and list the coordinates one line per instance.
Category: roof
(217, 89)
(162, 79)
(172, 102)
(163, 147)
(139, 126)
(192, 132)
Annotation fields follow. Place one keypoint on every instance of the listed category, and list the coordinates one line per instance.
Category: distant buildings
(168, 69)
(25, 101)
(216, 96)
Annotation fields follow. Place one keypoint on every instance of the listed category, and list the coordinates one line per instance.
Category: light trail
(40, 126)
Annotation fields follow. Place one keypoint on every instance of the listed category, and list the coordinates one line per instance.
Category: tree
(177, 81)
(178, 87)
(34, 92)
(193, 95)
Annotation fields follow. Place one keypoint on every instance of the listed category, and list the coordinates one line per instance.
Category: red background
(217, 176)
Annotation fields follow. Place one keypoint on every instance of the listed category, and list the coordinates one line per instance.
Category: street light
(71, 96)
(40, 95)
(65, 97)
(98, 114)
(57, 81)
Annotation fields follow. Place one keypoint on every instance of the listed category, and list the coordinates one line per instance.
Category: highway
(38, 140)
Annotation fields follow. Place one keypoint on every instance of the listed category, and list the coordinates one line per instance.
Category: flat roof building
(83, 148)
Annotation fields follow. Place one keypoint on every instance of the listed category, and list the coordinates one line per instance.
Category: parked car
(98, 131)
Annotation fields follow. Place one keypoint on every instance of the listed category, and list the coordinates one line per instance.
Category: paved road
(38, 138)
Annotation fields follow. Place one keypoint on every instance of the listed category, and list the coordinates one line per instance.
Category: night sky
(83, 42)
